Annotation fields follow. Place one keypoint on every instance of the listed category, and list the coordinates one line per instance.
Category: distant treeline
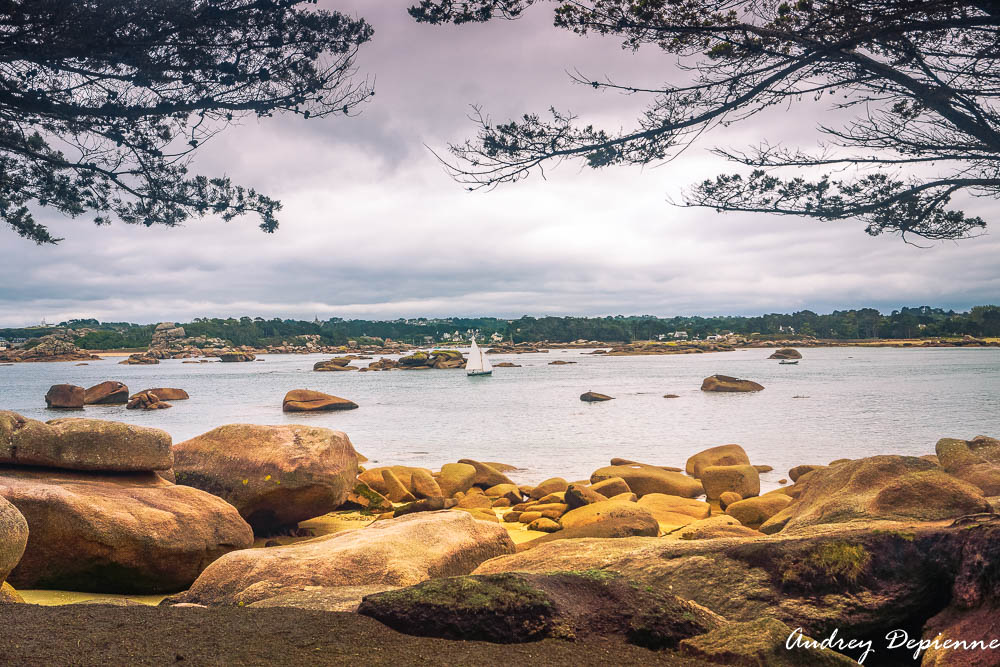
(866, 323)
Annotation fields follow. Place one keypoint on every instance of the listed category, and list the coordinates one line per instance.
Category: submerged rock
(515, 608)
(275, 476)
(395, 552)
(117, 532)
(594, 397)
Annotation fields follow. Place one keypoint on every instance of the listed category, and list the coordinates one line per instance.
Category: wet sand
(103, 635)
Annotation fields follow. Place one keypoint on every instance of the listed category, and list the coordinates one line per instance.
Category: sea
(840, 402)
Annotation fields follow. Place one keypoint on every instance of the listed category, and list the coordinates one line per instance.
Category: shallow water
(837, 402)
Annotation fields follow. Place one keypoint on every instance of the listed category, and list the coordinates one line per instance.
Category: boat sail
(478, 364)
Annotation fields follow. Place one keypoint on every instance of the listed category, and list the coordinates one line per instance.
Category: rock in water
(13, 537)
(786, 353)
(305, 400)
(397, 552)
(514, 608)
(275, 476)
(65, 396)
(106, 393)
(725, 383)
(117, 532)
(594, 397)
(83, 444)
(168, 393)
(230, 357)
(898, 488)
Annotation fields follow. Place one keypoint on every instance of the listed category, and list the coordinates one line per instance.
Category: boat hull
(475, 373)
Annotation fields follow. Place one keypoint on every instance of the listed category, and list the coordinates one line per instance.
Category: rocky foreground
(638, 564)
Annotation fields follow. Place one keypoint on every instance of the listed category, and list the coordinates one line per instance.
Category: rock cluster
(99, 516)
(439, 359)
(230, 356)
(49, 348)
(147, 400)
(144, 358)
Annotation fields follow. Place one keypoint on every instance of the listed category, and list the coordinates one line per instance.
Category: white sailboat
(478, 364)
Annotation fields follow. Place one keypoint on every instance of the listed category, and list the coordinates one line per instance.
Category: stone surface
(323, 598)
(962, 459)
(603, 511)
(899, 488)
(108, 392)
(726, 383)
(395, 552)
(753, 512)
(306, 400)
(862, 579)
(65, 396)
(515, 608)
(741, 479)
(275, 476)
(116, 532)
(759, 642)
(673, 511)
(714, 527)
(486, 475)
(642, 479)
(455, 478)
(83, 444)
(13, 537)
(8, 595)
(723, 455)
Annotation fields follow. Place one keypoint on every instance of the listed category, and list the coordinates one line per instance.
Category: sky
(372, 227)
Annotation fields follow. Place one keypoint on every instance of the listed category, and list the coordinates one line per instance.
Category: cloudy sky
(373, 228)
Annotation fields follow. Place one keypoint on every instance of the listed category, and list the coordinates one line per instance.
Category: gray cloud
(372, 227)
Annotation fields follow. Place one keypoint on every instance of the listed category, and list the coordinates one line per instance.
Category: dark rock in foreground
(513, 608)
(863, 579)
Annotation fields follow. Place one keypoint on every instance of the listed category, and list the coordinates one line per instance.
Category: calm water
(857, 402)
